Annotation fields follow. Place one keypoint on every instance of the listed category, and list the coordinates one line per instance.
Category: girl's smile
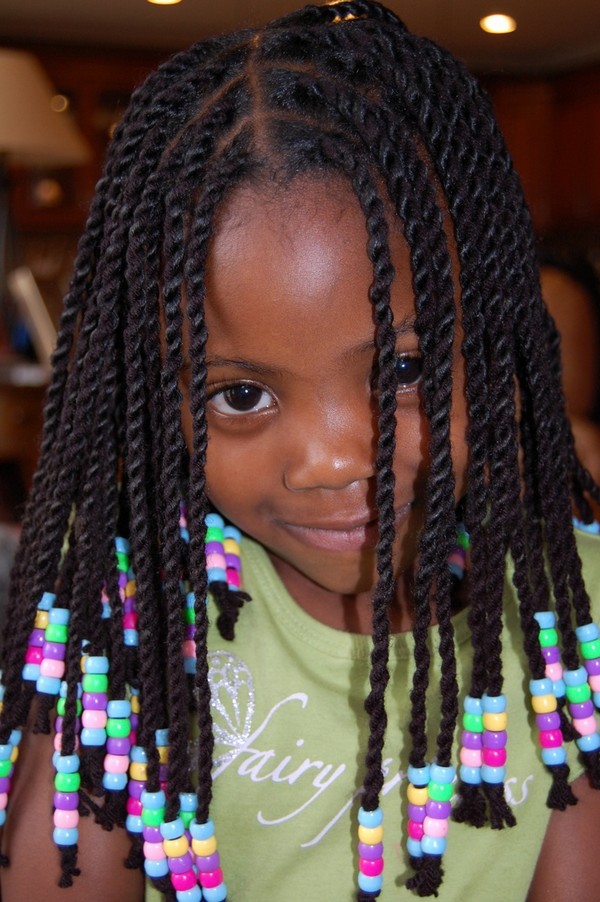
(291, 412)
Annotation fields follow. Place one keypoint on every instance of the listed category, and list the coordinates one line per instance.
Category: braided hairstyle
(338, 89)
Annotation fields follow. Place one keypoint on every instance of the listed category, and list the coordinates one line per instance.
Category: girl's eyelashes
(408, 370)
(240, 398)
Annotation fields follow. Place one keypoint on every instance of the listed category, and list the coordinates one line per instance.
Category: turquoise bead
(473, 705)
(158, 868)
(588, 743)
(587, 633)
(114, 782)
(370, 818)
(470, 775)
(172, 829)
(575, 677)
(153, 799)
(545, 619)
(65, 837)
(413, 847)
(440, 774)
(122, 545)
(554, 756)
(134, 823)
(214, 893)
(492, 774)
(214, 520)
(433, 845)
(119, 708)
(189, 895)
(365, 883)
(494, 704)
(202, 831)
(46, 601)
(540, 687)
(418, 776)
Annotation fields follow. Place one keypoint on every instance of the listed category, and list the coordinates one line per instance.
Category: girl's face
(291, 411)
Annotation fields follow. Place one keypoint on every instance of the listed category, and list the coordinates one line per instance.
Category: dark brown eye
(241, 398)
(408, 371)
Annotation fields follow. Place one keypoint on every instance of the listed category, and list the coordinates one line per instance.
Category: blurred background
(543, 77)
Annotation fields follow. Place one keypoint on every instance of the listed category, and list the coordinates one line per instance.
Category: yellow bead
(163, 754)
(417, 795)
(138, 771)
(204, 847)
(543, 704)
(175, 848)
(370, 835)
(41, 620)
(230, 546)
(135, 704)
(14, 754)
(496, 723)
(130, 589)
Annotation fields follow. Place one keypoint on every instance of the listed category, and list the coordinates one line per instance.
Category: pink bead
(33, 655)
(52, 668)
(494, 757)
(435, 826)
(215, 561)
(189, 648)
(233, 577)
(130, 621)
(554, 671)
(585, 725)
(94, 719)
(134, 806)
(184, 881)
(154, 851)
(470, 757)
(3, 800)
(209, 879)
(594, 681)
(370, 868)
(66, 819)
(415, 830)
(58, 742)
(550, 739)
(116, 764)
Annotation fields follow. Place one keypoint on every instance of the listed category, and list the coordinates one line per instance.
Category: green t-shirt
(290, 732)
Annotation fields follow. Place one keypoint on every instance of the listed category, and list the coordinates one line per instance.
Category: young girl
(305, 320)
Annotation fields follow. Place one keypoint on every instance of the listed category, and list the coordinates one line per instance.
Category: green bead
(95, 682)
(440, 792)
(118, 727)
(581, 693)
(548, 638)
(67, 782)
(190, 615)
(187, 817)
(591, 649)
(213, 534)
(56, 632)
(5, 767)
(473, 722)
(60, 707)
(153, 817)
(463, 541)
(122, 562)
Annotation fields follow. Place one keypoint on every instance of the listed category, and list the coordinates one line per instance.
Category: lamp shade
(31, 133)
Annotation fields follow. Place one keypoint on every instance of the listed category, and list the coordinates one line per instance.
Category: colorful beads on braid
(417, 795)
(138, 774)
(95, 699)
(581, 709)
(67, 781)
(370, 851)
(471, 752)
(118, 745)
(9, 752)
(34, 652)
(52, 665)
(180, 861)
(589, 647)
(210, 875)
(153, 813)
(127, 591)
(458, 560)
(495, 720)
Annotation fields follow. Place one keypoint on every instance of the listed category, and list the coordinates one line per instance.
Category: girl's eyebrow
(405, 326)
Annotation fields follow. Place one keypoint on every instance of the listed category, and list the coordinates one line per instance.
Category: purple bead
(123, 579)
(416, 813)
(56, 651)
(134, 719)
(232, 560)
(593, 666)
(438, 809)
(95, 701)
(36, 637)
(371, 853)
(213, 548)
(207, 863)
(550, 721)
(135, 788)
(471, 740)
(181, 864)
(129, 606)
(4, 784)
(58, 724)
(581, 709)
(163, 773)
(66, 801)
(152, 834)
(118, 745)
(190, 631)
(551, 654)
(493, 740)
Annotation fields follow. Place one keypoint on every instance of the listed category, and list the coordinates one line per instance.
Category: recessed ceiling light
(164, 2)
(498, 24)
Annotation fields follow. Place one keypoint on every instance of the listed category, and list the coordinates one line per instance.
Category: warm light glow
(164, 2)
(498, 24)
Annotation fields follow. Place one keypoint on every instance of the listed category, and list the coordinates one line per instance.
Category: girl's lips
(359, 536)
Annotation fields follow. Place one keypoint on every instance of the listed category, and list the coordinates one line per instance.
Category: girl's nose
(330, 449)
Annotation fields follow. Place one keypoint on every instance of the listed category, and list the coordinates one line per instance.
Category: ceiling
(551, 34)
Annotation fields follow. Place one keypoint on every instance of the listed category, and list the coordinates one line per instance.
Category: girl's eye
(242, 398)
(408, 371)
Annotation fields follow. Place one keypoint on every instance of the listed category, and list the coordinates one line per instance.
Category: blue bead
(189, 666)
(189, 895)
(48, 685)
(216, 575)
(370, 818)
(473, 705)
(214, 520)
(122, 545)
(545, 619)
(2, 817)
(161, 737)
(440, 774)
(558, 688)
(65, 837)
(118, 708)
(64, 689)
(31, 672)
(59, 615)
(131, 638)
(185, 534)
(418, 776)
(540, 687)
(433, 845)
(6, 751)
(554, 756)
(153, 799)
(190, 600)
(413, 847)
(588, 743)
(138, 754)
(158, 868)
(366, 884)
(46, 601)
(134, 823)
(492, 774)
(575, 677)
(596, 697)
(593, 527)
(93, 736)
(201, 831)
(232, 532)
(66, 764)
(470, 775)
(187, 801)
(494, 704)
(96, 664)
(15, 737)
(215, 893)
(114, 782)
(587, 633)
(172, 829)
